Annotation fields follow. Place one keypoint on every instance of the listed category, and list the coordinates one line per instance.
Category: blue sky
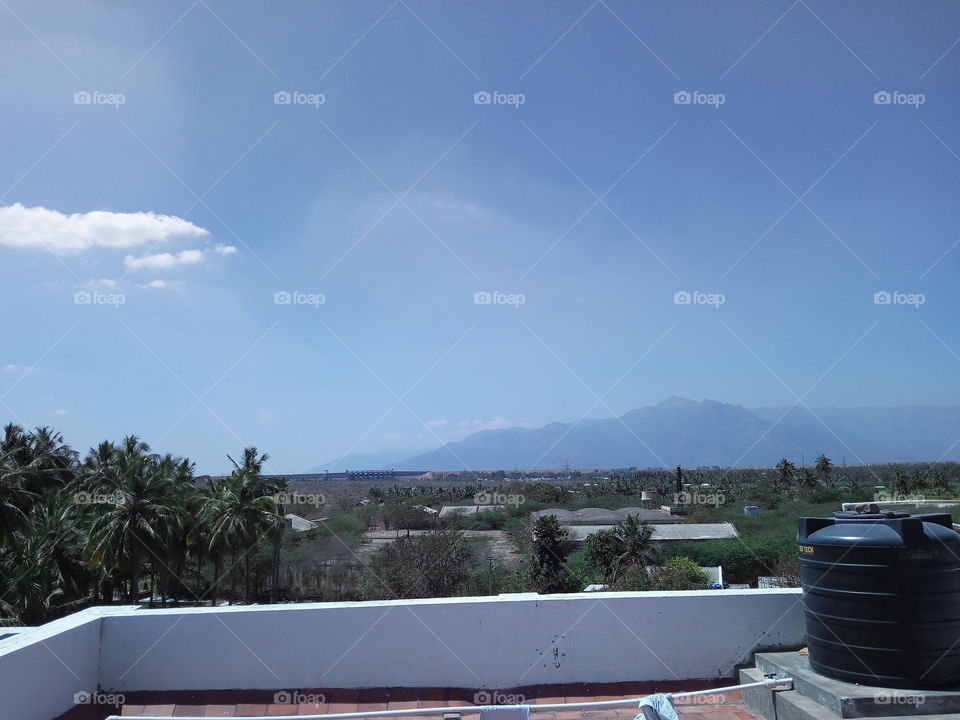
(156, 195)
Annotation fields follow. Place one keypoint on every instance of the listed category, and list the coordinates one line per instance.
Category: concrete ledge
(848, 700)
(43, 668)
(454, 642)
(486, 643)
(759, 699)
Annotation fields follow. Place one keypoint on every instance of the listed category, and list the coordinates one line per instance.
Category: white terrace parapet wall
(42, 668)
(483, 643)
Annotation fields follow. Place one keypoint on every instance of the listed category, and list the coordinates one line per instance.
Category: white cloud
(435, 423)
(162, 285)
(106, 283)
(224, 249)
(61, 412)
(39, 227)
(15, 369)
(163, 261)
(268, 416)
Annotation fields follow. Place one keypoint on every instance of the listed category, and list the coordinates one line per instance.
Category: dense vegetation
(125, 524)
(123, 521)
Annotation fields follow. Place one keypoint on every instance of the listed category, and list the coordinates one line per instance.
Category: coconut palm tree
(217, 536)
(195, 533)
(824, 467)
(42, 568)
(59, 527)
(901, 481)
(806, 477)
(15, 499)
(54, 460)
(940, 482)
(251, 461)
(171, 570)
(635, 544)
(785, 470)
(136, 508)
(31, 464)
(242, 511)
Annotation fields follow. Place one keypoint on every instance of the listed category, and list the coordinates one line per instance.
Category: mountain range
(679, 431)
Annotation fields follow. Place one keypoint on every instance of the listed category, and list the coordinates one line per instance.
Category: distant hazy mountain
(365, 461)
(910, 432)
(680, 431)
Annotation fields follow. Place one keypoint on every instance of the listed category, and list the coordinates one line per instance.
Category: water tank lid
(879, 530)
(882, 515)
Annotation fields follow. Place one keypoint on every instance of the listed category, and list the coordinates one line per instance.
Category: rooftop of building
(252, 703)
(605, 516)
(686, 532)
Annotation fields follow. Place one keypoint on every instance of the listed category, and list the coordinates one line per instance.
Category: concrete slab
(760, 700)
(791, 705)
(848, 700)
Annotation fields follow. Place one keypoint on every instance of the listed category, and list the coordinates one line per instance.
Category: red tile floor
(241, 703)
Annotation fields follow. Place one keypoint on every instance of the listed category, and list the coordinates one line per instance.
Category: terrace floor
(241, 703)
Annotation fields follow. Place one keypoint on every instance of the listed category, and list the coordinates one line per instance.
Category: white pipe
(768, 682)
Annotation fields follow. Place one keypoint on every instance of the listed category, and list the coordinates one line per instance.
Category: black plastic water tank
(881, 594)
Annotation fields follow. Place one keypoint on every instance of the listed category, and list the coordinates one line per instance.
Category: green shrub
(599, 553)
(634, 579)
(824, 494)
(493, 519)
(680, 573)
(743, 559)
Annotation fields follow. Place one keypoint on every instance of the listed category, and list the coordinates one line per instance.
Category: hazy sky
(166, 169)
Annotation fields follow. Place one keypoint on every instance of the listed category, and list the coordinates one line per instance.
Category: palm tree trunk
(135, 577)
(246, 576)
(233, 576)
(275, 590)
(216, 580)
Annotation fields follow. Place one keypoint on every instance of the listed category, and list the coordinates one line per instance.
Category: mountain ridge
(708, 432)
